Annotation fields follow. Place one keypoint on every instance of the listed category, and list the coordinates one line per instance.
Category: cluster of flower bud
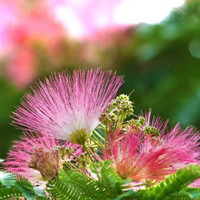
(150, 130)
(135, 124)
(119, 109)
(140, 125)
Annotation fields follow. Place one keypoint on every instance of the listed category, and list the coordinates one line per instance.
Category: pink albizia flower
(140, 157)
(66, 104)
(37, 157)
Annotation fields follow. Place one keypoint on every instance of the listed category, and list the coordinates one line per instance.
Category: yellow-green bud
(119, 109)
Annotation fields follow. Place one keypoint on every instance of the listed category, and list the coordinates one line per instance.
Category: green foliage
(77, 185)
(7, 179)
(183, 195)
(172, 188)
(108, 178)
(18, 187)
(193, 192)
(129, 194)
(28, 190)
(174, 185)
(7, 193)
(108, 185)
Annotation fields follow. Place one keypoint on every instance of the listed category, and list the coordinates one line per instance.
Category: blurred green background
(160, 62)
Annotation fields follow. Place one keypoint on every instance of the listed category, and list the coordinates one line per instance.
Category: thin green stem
(78, 157)
(75, 167)
(92, 153)
(89, 152)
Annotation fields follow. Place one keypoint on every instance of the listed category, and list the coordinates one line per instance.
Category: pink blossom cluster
(67, 106)
(144, 157)
(55, 109)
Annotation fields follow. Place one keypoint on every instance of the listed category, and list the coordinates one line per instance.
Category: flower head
(138, 156)
(66, 106)
(37, 158)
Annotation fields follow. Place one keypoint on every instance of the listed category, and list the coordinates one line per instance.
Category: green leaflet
(72, 185)
(28, 190)
(187, 194)
(182, 195)
(18, 187)
(76, 185)
(109, 179)
(129, 194)
(7, 193)
(7, 179)
(174, 185)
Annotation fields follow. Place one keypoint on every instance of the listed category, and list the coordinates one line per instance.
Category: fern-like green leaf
(18, 187)
(29, 191)
(132, 195)
(76, 185)
(7, 179)
(173, 184)
(8, 193)
(110, 180)
(26, 187)
(180, 196)
(60, 191)
(194, 192)
(186, 194)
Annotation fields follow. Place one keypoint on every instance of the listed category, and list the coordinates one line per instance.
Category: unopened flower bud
(119, 109)
(150, 130)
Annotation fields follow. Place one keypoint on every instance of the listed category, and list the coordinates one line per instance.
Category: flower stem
(78, 157)
(89, 152)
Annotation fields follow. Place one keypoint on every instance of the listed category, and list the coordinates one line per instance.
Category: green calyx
(79, 137)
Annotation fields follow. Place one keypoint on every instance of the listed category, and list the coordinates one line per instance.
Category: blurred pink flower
(84, 18)
(21, 68)
(65, 104)
(25, 29)
(36, 157)
(140, 157)
(9, 13)
(37, 26)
